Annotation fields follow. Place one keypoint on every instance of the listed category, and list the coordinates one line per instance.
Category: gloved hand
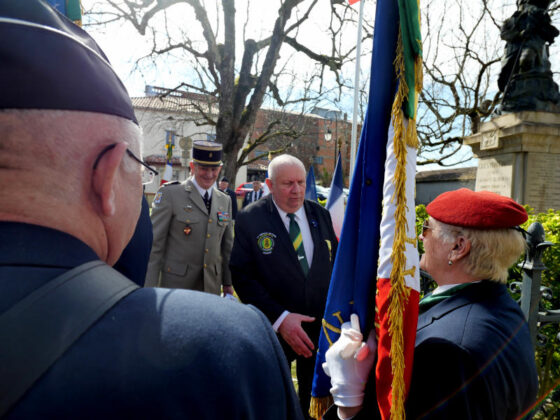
(348, 362)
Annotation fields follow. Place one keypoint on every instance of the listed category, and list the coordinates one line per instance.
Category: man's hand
(291, 331)
(348, 362)
(228, 290)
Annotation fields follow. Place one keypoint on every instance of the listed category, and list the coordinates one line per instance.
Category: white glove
(348, 363)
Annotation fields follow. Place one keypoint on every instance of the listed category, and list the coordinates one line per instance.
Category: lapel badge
(187, 230)
(157, 198)
(330, 248)
(265, 242)
(314, 223)
(188, 208)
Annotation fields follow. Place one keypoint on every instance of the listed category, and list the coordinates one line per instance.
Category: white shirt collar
(200, 189)
(300, 214)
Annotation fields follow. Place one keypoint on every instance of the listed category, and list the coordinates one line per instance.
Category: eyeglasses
(148, 172)
(425, 227)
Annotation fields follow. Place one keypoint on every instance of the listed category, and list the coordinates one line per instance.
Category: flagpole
(356, 92)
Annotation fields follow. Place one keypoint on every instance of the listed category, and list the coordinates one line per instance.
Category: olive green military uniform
(191, 248)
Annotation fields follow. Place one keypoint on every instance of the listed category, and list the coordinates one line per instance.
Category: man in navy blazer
(270, 273)
(254, 195)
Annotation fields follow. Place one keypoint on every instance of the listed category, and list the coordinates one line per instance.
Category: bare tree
(236, 70)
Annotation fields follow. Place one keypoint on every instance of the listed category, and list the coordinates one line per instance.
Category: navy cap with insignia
(207, 153)
(48, 62)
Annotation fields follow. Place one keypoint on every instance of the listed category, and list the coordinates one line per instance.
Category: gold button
(206, 250)
(204, 265)
(188, 221)
(208, 235)
(209, 220)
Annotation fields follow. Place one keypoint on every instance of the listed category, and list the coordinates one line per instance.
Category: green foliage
(421, 217)
(548, 351)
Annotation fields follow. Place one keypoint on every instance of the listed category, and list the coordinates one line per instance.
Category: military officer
(193, 233)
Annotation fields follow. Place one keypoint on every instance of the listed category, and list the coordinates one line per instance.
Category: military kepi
(477, 210)
(48, 62)
(207, 153)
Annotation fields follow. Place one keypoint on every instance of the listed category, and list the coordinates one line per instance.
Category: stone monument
(519, 148)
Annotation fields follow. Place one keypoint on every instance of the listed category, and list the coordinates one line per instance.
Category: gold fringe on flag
(319, 406)
(405, 135)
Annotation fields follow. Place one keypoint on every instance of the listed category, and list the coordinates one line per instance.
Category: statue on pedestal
(526, 79)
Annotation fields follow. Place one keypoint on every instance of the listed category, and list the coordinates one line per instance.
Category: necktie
(207, 201)
(297, 241)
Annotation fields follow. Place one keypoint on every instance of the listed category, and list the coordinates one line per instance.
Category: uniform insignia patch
(187, 230)
(188, 208)
(223, 216)
(265, 241)
(157, 198)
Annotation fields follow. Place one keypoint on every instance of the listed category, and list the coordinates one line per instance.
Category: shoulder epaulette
(167, 184)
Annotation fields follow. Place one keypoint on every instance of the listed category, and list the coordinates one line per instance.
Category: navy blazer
(473, 359)
(157, 354)
(264, 265)
(247, 199)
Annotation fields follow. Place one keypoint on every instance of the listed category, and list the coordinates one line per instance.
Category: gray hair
(492, 252)
(283, 160)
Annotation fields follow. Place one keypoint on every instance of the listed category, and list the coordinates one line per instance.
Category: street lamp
(328, 135)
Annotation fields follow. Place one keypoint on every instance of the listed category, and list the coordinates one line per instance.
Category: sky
(123, 45)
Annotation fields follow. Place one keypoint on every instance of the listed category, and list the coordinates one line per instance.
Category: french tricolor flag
(376, 273)
(335, 201)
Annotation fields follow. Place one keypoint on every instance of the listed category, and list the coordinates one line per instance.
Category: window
(318, 160)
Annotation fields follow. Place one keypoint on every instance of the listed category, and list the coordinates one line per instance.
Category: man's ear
(268, 183)
(105, 177)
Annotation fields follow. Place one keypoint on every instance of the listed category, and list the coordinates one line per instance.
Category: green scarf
(430, 300)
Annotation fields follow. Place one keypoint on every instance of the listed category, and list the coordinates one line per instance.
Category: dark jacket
(264, 265)
(233, 197)
(248, 197)
(158, 353)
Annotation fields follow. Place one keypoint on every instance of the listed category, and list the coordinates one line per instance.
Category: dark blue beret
(48, 62)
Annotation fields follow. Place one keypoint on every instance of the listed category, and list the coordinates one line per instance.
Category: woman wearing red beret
(473, 356)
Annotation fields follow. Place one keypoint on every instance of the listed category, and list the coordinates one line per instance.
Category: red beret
(479, 210)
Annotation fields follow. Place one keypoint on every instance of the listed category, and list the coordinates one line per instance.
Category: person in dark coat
(473, 356)
(286, 279)
(224, 187)
(255, 195)
(133, 262)
(71, 177)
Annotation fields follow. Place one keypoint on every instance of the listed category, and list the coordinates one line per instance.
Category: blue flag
(310, 188)
(355, 274)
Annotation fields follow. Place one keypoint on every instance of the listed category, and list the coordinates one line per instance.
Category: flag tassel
(319, 406)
